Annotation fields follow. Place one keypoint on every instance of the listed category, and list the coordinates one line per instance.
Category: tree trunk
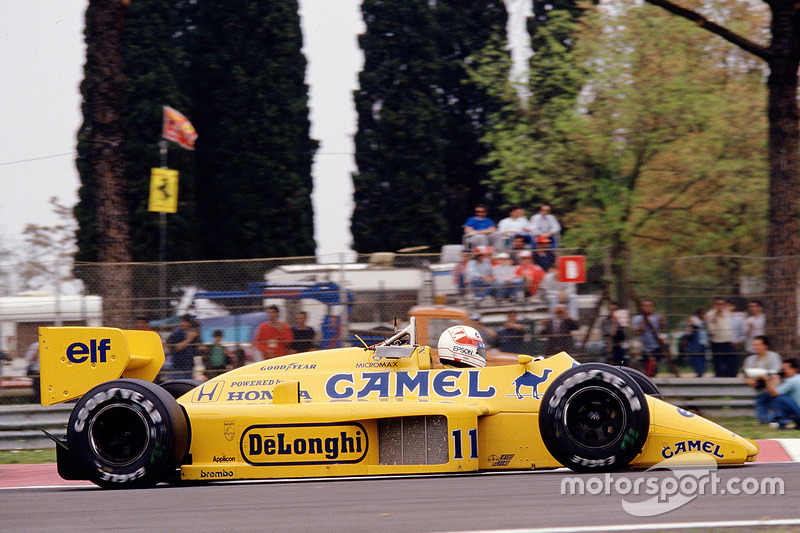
(105, 83)
(783, 245)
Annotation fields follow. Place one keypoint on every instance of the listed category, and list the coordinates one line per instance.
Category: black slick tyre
(127, 433)
(594, 418)
(178, 387)
(645, 383)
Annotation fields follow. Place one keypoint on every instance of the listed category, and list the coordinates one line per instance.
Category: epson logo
(217, 474)
(461, 349)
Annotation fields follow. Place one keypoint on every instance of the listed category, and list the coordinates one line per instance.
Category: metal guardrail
(710, 397)
(21, 425)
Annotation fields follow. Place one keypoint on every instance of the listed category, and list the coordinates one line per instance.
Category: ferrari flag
(178, 128)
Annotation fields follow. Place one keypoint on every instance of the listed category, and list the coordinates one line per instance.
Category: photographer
(760, 369)
(786, 396)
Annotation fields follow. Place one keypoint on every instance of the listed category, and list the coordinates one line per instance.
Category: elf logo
(95, 352)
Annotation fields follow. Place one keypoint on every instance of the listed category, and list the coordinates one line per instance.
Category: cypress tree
(238, 74)
(419, 121)
(254, 153)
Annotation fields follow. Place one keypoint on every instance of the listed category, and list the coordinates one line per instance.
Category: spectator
(479, 272)
(240, 356)
(273, 337)
(694, 342)
(513, 225)
(489, 335)
(143, 324)
(182, 344)
(511, 337)
(544, 224)
(460, 273)
(479, 230)
(759, 369)
(557, 292)
(519, 245)
(786, 396)
(721, 334)
(304, 335)
(648, 326)
(738, 329)
(506, 283)
(613, 328)
(33, 369)
(532, 275)
(217, 359)
(543, 256)
(754, 324)
(558, 331)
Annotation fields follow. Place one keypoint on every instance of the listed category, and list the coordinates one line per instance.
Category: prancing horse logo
(529, 379)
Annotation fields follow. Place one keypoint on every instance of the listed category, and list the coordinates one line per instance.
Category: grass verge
(17, 457)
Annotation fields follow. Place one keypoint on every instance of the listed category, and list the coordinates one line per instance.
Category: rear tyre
(594, 418)
(644, 382)
(178, 387)
(127, 433)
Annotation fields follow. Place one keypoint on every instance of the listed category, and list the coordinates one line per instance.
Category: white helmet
(462, 346)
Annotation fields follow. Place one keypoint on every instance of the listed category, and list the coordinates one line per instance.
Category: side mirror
(394, 352)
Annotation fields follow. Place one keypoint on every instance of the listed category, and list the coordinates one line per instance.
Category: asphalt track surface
(530, 501)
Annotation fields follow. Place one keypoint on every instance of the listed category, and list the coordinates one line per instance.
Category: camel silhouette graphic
(529, 379)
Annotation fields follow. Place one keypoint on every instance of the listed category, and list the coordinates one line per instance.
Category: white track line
(792, 447)
(653, 527)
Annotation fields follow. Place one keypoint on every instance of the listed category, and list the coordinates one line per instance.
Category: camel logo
(529, 379)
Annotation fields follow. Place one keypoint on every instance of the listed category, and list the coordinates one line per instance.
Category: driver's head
(462, 347)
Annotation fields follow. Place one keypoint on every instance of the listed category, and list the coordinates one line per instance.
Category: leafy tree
(49, 251)
(782, 56)
(635, 146)
(418, 146)
(532, 159)
(672, 148)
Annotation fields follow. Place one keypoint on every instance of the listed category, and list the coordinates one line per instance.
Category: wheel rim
(594, 417)
(119, 434)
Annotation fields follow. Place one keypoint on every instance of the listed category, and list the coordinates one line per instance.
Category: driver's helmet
(462, 347)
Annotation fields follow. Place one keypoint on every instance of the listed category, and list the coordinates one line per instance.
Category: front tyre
(127, 433)
(594, 418)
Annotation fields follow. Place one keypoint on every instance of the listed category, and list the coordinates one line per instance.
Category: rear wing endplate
(72, 360)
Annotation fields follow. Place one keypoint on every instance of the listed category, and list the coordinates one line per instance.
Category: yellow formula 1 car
(380, 410)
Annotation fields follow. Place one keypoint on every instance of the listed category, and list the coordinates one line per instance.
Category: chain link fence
(369, 294)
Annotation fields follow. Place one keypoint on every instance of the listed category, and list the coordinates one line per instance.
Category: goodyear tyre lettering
(594, 418)
(127, 433)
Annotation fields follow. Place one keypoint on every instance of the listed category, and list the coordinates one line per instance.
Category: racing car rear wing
(74, 359)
